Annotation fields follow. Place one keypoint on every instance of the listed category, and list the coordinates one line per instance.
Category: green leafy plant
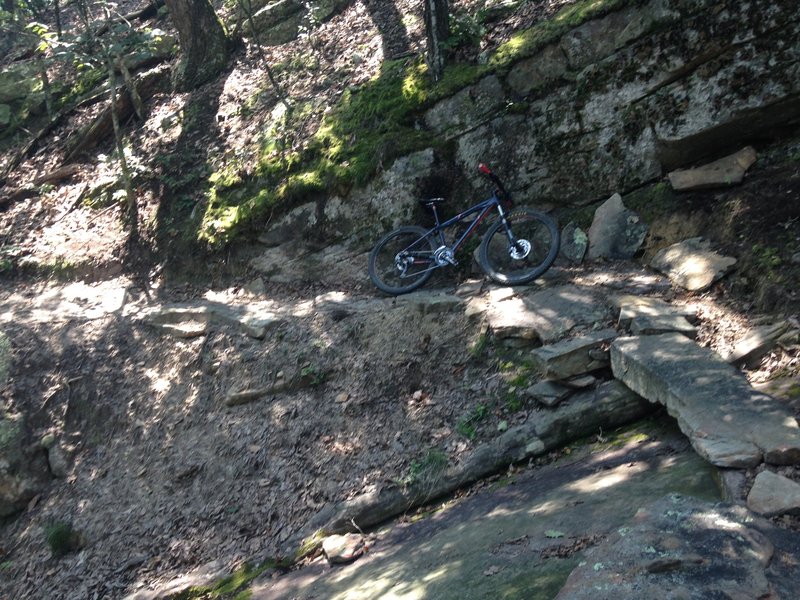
(468, 422)
(313, 374)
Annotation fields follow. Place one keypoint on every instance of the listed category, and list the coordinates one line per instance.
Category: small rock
(721, 173)
(342, 549)
(574, 356)
(549, 393)
(574, 243)
(57, 458)
(774, 494)
(692, 265)
(257, 287)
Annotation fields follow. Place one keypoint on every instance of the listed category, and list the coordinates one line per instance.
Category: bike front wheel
(402, 260)
(523, 250)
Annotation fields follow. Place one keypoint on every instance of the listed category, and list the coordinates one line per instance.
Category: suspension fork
(509, 234)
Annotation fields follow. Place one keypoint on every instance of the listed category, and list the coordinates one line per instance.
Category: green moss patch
(369, 127)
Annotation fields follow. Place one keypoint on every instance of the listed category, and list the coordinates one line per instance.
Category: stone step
(728, 422)
(575, 356)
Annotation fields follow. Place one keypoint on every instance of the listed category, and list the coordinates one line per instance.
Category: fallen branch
(150, 83)
(143, 13)
(32, 189)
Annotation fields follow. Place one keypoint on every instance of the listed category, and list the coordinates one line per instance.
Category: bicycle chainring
(444, 256)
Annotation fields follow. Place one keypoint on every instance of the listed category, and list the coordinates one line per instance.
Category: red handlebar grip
(484, 169)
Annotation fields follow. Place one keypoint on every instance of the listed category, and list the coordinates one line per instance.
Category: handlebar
(487, 172)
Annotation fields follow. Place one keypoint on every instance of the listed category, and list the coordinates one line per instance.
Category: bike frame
(483, 208)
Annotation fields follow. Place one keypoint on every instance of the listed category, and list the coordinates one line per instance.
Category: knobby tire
(515, 266)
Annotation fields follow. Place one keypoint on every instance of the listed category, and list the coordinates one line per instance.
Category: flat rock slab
(756, 343)
(720, 173)
(728, 422)
(692, 264)
(549, 393)
(575, 356)
(544, 316)
(192, 320)
(513, 541)
(644, 325)
(681, 547)
(631, 307)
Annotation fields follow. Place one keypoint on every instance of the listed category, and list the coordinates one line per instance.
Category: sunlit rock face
(613, 104)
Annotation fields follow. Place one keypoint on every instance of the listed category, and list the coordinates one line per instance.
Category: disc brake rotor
(520, 250)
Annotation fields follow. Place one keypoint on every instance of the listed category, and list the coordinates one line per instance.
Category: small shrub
(62, 538)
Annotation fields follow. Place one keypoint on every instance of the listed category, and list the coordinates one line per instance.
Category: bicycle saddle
(431, 201)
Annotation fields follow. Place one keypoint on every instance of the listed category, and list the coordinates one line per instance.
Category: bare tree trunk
(204, 43)
(437, 28)
(247, 5)
(132, 211)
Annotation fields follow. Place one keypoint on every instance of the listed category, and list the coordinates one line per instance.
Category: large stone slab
(574, 356)
(193, 319)
(544, 316)
(724, 172)
(728, 422)
(681, 547)
(631, 306)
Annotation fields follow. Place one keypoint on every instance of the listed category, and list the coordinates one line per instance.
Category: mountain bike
(516, 249)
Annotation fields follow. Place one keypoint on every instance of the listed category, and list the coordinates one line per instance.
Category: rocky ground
(169, 464)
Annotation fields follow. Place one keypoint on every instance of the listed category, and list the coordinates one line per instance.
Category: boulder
(774, 494)
(616, 232)
(692, 264)
(533, 73)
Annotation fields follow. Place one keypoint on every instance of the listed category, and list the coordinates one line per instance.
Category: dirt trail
(164, 476)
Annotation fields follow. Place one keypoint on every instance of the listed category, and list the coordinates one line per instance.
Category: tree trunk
(437, 29)
(204, 43)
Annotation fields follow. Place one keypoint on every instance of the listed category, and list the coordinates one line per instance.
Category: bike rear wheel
(402, 260)
(536, 243)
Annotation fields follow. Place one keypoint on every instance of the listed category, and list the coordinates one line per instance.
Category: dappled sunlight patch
(602, 481)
